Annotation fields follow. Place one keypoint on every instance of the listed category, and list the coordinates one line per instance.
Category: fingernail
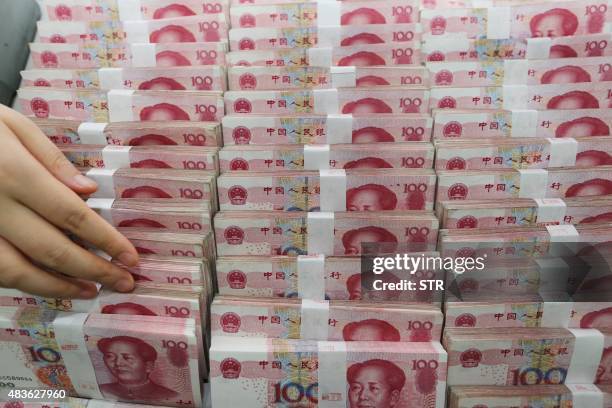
(84, 182)
(124, 285)
(87, 293)
(128, 258)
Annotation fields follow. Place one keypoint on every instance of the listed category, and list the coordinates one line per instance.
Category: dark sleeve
(17, 29)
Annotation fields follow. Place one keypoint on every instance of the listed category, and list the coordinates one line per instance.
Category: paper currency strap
(311, 277)
(588, 349)
(103, 206)
(563, 233)
(71, 340)
(316, 157)
(116, 157)
(320, 233)
(315, 316)
(92, 133)
(144, 54)
(130, 9)
(586, 395)
(104, 179)
(550, 210)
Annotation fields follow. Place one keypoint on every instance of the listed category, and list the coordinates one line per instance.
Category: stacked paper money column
(523, 153)
(131, 91)
(327, 146)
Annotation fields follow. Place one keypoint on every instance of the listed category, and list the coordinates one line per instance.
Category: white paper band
(339, 129)
(116, 157)
(136, 31)
(311, 277)
(556, 314)
(524, 123)
(320, 233)
(563, 152)
(111, 78)
(7, 292)
(332, 187)
(87, 305)
(326, 101)
(98, 404)
(92, 133)
(515, 96)
(332, 374)
(586, 396)
(343, 77)
(328, 13)
(553, 274)
(144, 55)
(563, 233)
(329, 36)
(550, 210)
(498, 23)
(71, 340)
(120, 105)
(533, 183)
(103, 206)
(315, 317)
(316, 157)
(319, 57)
(588, 349)
(129, 10)
(104, 179)
(538, 48)
(515, 71)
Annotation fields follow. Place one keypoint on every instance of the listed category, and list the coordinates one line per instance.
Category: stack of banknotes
(132, 94)
(466, 396)
(327, 149)
(130, 358)
(521, 121)
(527, 356)
(295, 139)
(71, 402)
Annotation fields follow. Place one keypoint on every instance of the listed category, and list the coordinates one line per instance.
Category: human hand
(39, 199)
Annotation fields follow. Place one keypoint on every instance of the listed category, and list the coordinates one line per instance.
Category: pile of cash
(466, 396)
(132, 94)
(263, 155)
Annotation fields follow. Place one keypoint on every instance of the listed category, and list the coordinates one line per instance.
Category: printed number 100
(294, 392)
(535, 376)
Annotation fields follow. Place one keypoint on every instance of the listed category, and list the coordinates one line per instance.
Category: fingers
(54, 250)
(45, 151)
(55, 202)
(17, 272)
(69, 212)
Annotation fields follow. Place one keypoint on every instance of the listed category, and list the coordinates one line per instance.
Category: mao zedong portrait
(375, 384)
(604, 371)
(131, 362)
